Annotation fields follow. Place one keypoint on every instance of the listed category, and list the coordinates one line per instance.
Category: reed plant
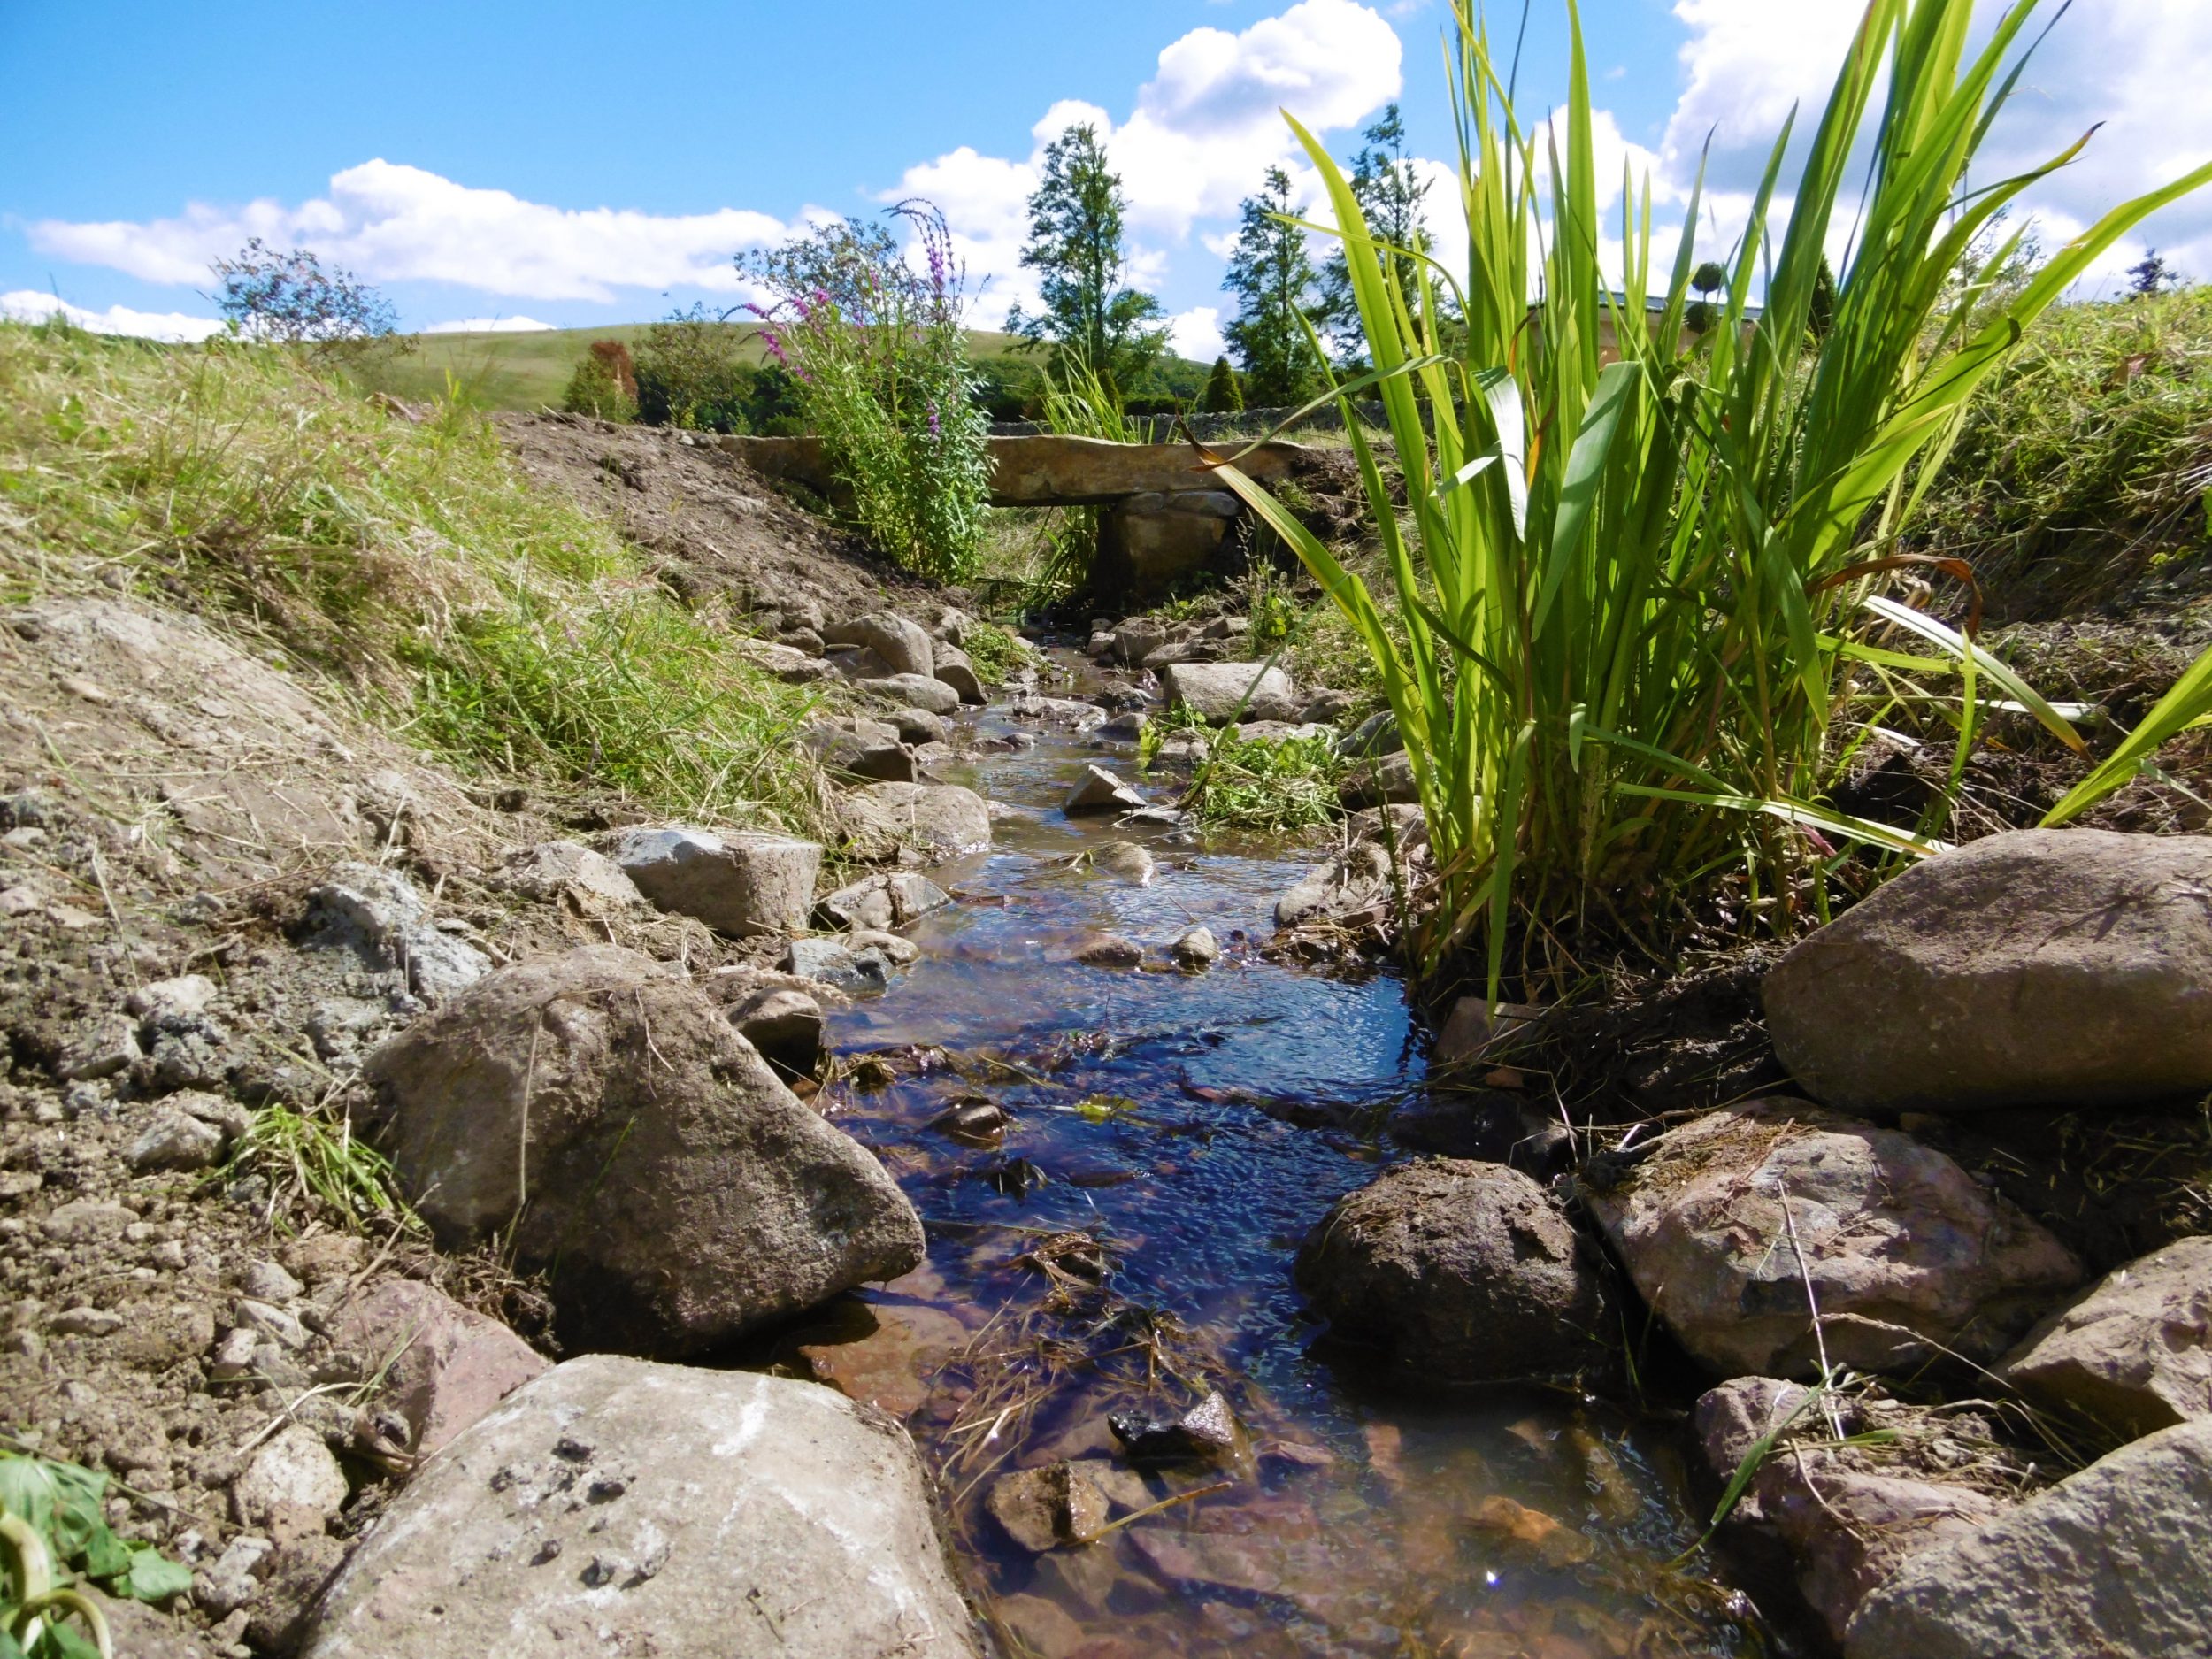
(1628, 600)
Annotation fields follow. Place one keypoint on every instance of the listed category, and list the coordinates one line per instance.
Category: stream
(1126, 1246)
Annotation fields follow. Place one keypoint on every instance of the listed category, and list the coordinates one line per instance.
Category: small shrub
(878, 356)
(604, 384)
(1254, 784)
(289, 299)
(689, 375)
(1223, 394)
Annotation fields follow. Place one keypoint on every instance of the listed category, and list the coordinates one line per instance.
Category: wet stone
(979, 1123)
(1207, 1432)
(1107, 950)
(1045, 1509)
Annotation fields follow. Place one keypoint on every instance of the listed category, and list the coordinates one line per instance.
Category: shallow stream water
(1187, 1131)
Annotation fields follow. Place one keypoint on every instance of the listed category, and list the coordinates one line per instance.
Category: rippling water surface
(1127, 1247)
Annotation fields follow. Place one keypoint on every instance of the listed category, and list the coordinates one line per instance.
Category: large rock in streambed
(2041, 967)
(1845, 1514)
(1907, 1254)
(1216, 691)
(677, 1191)
(744, 883)
(614, 1505)
(927, 822)
(1460, 1272)
(2134, 1352)
(925, 692)
(2115, 1562)
(904, 646)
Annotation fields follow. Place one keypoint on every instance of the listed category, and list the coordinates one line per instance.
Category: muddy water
(1125, 1247)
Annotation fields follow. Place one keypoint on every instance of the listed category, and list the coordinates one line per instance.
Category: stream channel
(1191, 1128)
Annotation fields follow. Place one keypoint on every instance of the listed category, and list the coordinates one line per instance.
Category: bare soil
(716, 526)
(167, 805)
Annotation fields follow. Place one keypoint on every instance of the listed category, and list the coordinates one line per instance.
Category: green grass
(1635, 598)
(407, 565)
(2087, 460)
(1249, 784)
(531, 371)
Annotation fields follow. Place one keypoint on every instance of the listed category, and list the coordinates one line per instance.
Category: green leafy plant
(1631, 598)
(995, 652)
(879, 358)
(53, 1530)
(604, 383)
(1274, 786)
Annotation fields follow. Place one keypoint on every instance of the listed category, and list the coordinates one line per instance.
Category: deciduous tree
(1091, 315)
(1276, 287)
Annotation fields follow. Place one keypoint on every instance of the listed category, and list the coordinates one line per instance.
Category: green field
(530, 371)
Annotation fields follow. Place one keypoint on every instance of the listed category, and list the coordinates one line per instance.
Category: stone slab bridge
(1161, 517)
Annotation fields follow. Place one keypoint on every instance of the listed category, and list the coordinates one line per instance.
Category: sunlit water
(1196, 1126)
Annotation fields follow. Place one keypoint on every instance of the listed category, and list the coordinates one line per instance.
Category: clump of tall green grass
(498, 624)
(1633, 598)
(2088, 459)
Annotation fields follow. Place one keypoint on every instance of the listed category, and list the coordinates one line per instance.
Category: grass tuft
(499, 626)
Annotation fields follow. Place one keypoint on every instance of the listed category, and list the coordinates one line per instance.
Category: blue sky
(575, 164)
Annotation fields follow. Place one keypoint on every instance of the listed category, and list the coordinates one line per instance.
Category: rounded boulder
(1460, 1272)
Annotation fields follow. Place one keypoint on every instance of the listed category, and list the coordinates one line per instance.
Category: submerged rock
(1107, 950)
(1908, 1254)
(2115, 1561)
(1132, 863)
(1044, 1508)
(2040, 967)
(679, 1193)
(2134, 1352)
(739, 882)
(1460, 1272)
(691, 1511)
(1207, 1432)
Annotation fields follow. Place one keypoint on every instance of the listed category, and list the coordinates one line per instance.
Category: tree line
(1293, 318)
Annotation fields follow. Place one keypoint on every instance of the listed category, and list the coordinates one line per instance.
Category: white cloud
(28, 305)
(391, 223)
(1202, 133)
(2138, 66)
(489, 326)
(1197, 333)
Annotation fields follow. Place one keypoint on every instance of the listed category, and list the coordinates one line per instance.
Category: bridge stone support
(1161, 516)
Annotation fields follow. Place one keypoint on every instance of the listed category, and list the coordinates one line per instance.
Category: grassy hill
(530, 371)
